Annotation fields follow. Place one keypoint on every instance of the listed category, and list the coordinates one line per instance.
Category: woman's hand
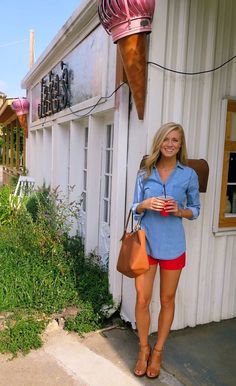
(157, 204)
(152, 203)
(171, 206)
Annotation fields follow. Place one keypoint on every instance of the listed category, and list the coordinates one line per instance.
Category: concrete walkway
(204, 355)
(68, 360)
(201, 356)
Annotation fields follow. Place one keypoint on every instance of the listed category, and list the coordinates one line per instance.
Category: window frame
(229, 147)
(107, 174)
(85, 170)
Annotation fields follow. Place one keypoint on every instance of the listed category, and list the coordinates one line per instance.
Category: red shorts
(177, 263)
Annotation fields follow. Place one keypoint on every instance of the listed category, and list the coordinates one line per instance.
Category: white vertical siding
(193, 36)
(39, 156)
(31, 158)
(118, 188)
(229, 302)
(76, 158)
(76, 163)
(47, 156)
(60, 157)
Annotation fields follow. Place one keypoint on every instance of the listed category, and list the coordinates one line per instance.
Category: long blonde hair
(159, 137)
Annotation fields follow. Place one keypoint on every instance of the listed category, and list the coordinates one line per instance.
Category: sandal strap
(142, 362)
(157, 350)
(144, 352)
(155, 363)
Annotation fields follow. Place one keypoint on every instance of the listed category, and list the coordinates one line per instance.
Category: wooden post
(31, 49)
(7, 146)
(24, 153)
(4, 146)
(12, 146)
(17, 147)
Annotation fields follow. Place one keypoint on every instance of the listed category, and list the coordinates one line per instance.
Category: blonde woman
(166, 191)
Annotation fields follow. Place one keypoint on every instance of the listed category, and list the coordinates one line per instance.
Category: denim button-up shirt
(165, 235)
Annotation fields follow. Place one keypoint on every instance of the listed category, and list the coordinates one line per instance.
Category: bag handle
(137, 226)
(127, 221)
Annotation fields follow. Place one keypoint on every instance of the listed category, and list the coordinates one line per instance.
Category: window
(228, 185)
(108, 174)
(84, 192)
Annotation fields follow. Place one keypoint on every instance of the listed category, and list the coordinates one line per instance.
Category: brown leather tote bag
(133, 259)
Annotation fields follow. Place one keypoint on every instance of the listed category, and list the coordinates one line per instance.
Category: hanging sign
(54, 95)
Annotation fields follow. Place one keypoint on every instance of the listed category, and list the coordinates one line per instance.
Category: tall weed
(43, 269)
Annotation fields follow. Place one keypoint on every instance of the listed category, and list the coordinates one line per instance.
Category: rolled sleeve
(138, 196)
(193, 197)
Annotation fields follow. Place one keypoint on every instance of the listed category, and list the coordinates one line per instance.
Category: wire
(13, 43)
(193, 73)
(45, 119)
(93, 107)
(98, 102)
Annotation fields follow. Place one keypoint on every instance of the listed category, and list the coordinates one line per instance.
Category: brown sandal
(153, 369)
(142, 362)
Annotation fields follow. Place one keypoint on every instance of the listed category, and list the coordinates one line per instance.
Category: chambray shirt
(165, 236)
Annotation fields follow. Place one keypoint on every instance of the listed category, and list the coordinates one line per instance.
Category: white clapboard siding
(192, 36)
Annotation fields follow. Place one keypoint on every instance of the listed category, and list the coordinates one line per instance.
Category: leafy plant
(43, 270)
(86, 320)
(21, 334)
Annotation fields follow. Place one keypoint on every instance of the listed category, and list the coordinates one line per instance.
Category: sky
(17, 18)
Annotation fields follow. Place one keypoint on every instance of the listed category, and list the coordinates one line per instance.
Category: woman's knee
(142, 301)
(167, 301)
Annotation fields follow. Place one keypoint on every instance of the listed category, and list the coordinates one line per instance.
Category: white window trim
(219, 169)
(107, 174)
(85, 170)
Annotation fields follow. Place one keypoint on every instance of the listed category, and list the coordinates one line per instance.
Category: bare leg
(169, 280)
(144, 287)
(168, 285)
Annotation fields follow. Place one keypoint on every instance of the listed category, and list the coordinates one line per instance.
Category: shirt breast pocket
(179, 193)
(147, 192)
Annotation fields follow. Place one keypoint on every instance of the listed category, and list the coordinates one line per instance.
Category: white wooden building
(98, 148)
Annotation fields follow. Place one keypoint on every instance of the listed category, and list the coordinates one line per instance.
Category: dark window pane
(86, 137)
(232, 168)
(85, 180)
(105, 213)
(84, 202)
(231, 199)
(106, 190)
(85, 158)
(108, 155)
(108, 135)
(111, 159)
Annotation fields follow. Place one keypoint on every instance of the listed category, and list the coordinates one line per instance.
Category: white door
(105, 194)
(82, 215)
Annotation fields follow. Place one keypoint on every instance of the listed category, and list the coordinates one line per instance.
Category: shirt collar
(178, 165)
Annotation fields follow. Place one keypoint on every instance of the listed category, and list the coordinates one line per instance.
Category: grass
(43, 271)
(21, 333)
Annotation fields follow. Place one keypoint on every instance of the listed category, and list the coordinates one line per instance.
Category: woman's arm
(193, 196)
(186, 213)
(192, 209)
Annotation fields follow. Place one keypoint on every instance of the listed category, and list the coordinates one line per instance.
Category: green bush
(43, 270)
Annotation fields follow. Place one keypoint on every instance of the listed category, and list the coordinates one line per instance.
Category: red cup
(165, 199)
